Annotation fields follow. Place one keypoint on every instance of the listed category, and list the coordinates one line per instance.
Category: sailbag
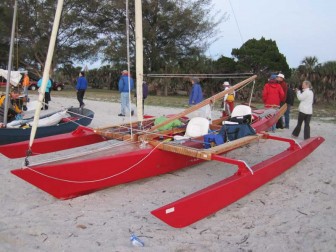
(15, 76)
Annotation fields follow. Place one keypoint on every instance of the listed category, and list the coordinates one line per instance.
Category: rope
(251, 93)
(97, 180)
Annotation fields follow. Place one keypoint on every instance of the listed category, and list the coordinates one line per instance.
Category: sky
(301, 28)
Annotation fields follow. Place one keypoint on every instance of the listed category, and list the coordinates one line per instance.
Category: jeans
(306, 131)
(125, 103)
(25, 91)
(80, 96)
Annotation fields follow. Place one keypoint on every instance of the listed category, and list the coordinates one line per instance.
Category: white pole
(139, 57)
(10, 64)
(46, 71)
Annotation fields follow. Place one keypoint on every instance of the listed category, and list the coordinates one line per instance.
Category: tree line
(176, 34)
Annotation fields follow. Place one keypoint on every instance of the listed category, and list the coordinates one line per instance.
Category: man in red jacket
(273, 94)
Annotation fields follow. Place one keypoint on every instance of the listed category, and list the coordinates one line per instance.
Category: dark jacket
(290, 96)
(144, 91)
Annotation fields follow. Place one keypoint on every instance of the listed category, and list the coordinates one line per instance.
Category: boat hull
(77, 176)
(13, 135)
(66, 180)
(207, 201)
(79, 137)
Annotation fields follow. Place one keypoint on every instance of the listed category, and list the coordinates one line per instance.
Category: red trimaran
(143, 152)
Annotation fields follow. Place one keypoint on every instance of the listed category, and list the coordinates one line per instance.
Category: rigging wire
(128, 65)
(234, 15)
(212, 76)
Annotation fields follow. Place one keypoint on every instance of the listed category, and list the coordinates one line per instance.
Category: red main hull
(79, 137)
(66, 180)
(207, 201)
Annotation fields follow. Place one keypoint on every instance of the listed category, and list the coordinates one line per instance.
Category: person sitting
(13, 107)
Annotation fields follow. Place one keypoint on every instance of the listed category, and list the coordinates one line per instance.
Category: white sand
(294, 212)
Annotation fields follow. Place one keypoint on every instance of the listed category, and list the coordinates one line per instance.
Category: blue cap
(273, 77)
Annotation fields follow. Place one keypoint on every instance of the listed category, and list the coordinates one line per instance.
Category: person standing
(47, 96)
(272, 95)
(125, 86)
(290, 102)
(144, 95)
(228, 101)
(281, 80)
(25, 84)
(196, 95)
(306, 98)
(81, 87)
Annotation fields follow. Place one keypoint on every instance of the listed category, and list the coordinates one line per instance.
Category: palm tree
(309, 65)
(328, 77)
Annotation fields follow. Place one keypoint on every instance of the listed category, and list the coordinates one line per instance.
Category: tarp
(15, 76)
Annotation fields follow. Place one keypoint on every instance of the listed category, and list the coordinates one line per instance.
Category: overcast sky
(300, 28)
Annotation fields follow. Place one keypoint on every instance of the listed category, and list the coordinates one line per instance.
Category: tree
(308, 68)
(6, 14)
(77, 39)
(172, 30)
(257, 55)
(225, 65)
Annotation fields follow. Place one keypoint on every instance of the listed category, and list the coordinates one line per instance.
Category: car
(3, 82)
(58, 86)
(33, 85)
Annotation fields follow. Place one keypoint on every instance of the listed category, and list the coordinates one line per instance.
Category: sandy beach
(293, 212)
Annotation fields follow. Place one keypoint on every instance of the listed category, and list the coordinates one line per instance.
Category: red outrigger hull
(72, 179)
(200, 204)
(79, 137)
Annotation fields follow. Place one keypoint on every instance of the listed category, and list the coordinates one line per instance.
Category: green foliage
(322, 76)
(174, 33)
(176, 36)
(258, 55)
(77, 39)
(6, 14)
(225, 65)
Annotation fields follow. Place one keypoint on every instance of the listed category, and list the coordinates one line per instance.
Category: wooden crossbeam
(205, 154)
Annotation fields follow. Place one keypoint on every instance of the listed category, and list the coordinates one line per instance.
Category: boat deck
(196, 149)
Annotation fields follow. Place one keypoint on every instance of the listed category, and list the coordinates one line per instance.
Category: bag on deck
(174, 124)
(232, 132)
(238, 127)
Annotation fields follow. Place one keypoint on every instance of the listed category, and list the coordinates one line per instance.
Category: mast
(46, 71)
(139, 58)
(10, 63)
